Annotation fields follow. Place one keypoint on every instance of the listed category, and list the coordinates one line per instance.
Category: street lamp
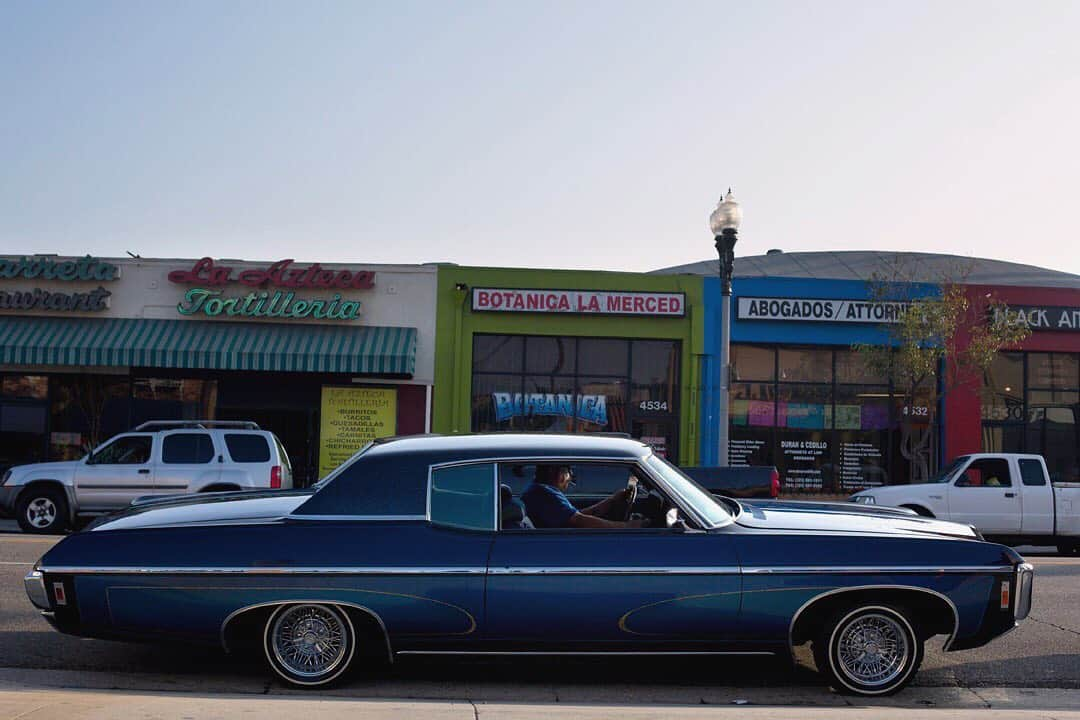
(724, 223)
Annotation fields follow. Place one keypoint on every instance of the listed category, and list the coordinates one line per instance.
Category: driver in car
(548, 507)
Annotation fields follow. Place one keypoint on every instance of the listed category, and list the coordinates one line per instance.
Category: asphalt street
(1044, 652)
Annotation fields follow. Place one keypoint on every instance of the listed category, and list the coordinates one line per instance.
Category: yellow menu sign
(352, 417)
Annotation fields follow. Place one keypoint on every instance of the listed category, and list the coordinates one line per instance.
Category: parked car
(156, 458)
(1009, 497)
(415, 547)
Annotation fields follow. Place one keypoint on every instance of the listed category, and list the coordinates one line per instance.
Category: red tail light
(275, 476)
(774, 490)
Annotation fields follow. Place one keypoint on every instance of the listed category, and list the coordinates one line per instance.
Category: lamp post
(724, 223)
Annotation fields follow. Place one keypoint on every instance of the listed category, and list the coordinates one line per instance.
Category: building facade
(327, 356)
(570, 351)
(804, 400)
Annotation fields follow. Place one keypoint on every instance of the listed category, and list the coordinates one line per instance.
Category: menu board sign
(351, 418)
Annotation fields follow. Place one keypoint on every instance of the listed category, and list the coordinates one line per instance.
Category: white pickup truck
(1008, 497)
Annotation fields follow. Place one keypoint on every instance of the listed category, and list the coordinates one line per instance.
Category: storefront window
(825, 431)
(174, 399)
(808, 365)
(566, 384)
(1003, 389)
(1040, 416)
(751, 362)
(26, 387)
(86, 411)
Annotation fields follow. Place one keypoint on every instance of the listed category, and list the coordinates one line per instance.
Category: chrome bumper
(34, 582)
(1025, 579)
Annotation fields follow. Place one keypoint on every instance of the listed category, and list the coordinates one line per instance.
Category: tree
(934, 328)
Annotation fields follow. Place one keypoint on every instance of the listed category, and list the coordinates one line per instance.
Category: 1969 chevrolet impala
(421, 546)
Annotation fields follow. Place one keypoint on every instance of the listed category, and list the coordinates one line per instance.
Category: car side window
(987, 472)
(591, 480)
(128, 450)
(247, 447)
(463, 496)
(187, 449)
(1031, 473)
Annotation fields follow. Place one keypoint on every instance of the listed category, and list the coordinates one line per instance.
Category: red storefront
(1029, 400)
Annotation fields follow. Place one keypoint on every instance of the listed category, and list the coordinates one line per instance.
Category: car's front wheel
(42, 509)
(869, 650)
(309, 645)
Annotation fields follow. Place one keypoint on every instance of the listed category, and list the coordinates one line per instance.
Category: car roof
(514, 445)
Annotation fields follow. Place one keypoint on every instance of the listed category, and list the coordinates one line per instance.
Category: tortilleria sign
(580, 302)
(53, 269)
(271, 294)
(820, 310)
(1044, 317)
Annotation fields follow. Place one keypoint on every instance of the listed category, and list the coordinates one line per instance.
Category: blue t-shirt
(546, 506)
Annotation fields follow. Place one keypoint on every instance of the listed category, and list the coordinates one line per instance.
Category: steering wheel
(630, 497)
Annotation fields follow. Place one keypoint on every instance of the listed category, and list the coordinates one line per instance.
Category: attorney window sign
(1043, 317)
(819, 310)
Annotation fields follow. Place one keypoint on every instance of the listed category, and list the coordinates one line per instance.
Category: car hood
(812, 505)
(205, 509)
(887, 490)
(836, 517)
(58, 470)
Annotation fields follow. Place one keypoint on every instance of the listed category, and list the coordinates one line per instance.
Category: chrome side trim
(857, 588)
(367, 518)
(34, 584)
(266, 570)
(876, 570)
(273, 603)
(628, 570)
(581, 653)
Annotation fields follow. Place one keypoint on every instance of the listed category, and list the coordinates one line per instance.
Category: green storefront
(570, 351)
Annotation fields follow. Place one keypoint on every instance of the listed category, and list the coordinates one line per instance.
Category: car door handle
(1010, 494)
(144, 471)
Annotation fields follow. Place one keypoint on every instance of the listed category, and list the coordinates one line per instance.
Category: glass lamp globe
(726, 216)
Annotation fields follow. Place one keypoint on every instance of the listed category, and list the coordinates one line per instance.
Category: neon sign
(263, 304)
(589, 408)
(280, 274)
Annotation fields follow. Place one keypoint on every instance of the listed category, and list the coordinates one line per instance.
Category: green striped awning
(74, 342)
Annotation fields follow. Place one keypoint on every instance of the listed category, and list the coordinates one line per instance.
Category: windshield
(946, 474)
(697, 497)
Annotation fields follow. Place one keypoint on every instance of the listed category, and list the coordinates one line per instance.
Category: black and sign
(820, 310)
(1045, 317)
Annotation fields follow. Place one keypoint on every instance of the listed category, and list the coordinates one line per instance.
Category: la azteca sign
(580, 302)
(281, 274)
(272, 295)
(818, 310)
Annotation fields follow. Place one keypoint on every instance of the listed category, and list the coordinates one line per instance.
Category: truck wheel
(1067, 548)
(869, 649)
(42, 510)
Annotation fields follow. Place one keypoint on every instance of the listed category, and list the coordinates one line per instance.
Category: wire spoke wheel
(309, 644)
(871, 650)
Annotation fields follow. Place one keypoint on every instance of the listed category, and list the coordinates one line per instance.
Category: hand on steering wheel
(630, 497)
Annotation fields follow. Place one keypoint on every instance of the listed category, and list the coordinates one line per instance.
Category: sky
(583, 134)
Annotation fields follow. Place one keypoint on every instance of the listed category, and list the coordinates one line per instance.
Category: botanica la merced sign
(273, 291)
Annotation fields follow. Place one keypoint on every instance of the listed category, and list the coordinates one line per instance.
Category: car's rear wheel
(309, 645)
(869, 649)
(42, 510)
(1068, 548)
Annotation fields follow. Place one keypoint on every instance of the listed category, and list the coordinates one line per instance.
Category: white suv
(156, 458)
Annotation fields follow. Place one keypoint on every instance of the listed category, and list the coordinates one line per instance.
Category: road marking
(9, 562)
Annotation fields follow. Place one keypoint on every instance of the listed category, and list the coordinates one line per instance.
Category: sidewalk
(100, 705)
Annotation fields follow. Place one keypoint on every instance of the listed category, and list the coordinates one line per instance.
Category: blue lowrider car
(419, 546)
